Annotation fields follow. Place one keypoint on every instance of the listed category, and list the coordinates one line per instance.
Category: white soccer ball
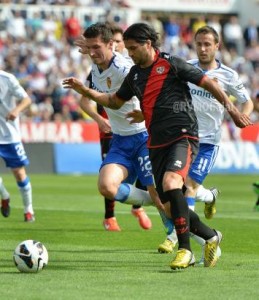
(30, 256)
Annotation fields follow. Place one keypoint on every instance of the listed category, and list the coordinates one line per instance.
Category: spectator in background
(214, 22)
(172, 34)
(252, 53)
(153, 20)
(198, 23)
(233, 35)
(186, 34)
(46, 110)
(251, 33)
(49, 28)
(16, 26)
(34, 25)
(70, 106)
(72, 28)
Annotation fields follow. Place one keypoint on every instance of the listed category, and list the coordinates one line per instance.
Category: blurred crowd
(104, 3)
(40, 52)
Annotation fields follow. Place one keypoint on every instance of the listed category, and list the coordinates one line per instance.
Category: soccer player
(256, 190)
(110, 222)
(5, 199)
(127, 156)
(14, 100)
(210, 115)
(160, 83)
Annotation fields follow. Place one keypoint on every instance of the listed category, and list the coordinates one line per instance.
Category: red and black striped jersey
(164, 97)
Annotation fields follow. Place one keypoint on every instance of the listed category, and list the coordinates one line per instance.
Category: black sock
(109, 208)
(180, 217)
(199, 228)
(136, 206)
(184, 188)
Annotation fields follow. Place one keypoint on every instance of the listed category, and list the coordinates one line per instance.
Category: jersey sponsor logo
(109, 82)
(202, 93)
(160, 70)
(178, 163)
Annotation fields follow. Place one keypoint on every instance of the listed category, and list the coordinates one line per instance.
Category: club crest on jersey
(109, 82)
(160, 70)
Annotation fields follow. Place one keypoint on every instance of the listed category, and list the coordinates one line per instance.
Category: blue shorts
(14, 155)
(132, 153)
(203, 162)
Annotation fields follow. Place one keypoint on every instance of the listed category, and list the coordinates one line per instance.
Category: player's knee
(107, 190)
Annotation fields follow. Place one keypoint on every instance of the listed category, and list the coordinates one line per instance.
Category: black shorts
(177, 157)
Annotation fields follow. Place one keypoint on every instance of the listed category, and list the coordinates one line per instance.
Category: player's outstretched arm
(89, 108)
(248, 107)
(107, 100)
(241, 120)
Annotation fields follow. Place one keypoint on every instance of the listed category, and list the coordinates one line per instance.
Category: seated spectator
(72, 28)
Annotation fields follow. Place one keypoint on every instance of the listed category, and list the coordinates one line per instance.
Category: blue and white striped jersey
(10, 92)
(109, 81)
(209, 111)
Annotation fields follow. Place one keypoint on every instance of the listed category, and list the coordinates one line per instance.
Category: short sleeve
(186, 71)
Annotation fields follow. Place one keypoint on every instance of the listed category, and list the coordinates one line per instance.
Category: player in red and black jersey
(160, 83)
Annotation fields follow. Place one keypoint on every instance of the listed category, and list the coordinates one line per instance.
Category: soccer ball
(30, 256)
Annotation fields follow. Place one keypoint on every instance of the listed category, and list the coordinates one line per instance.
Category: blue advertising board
(237, 157)
(233, 157)
(77, 158)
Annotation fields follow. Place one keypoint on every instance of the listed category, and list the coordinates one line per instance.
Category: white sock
(26, 193)
(129, 194)
(198, 239)
(192, 207)
(204, 195)
(173, 237)
(3, 191)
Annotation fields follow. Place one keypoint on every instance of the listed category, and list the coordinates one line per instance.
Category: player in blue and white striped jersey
(127, 158)
(210, 114)
(13, 100)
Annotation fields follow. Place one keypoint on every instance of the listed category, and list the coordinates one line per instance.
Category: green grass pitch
(86, 262)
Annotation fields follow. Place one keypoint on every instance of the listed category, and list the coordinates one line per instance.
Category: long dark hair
(141, 32)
